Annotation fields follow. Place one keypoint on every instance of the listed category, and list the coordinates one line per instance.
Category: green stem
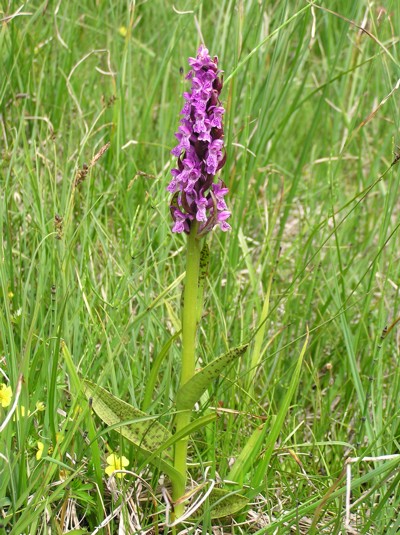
(189, 325)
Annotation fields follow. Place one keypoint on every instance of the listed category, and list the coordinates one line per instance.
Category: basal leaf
(192, 390)
(222, 502)
(146, 434)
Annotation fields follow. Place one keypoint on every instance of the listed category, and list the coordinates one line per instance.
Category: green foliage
(143, 431)
(153, 375)
(221, 503)
(192, 390)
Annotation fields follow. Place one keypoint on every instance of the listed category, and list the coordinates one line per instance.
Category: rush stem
(189, 326)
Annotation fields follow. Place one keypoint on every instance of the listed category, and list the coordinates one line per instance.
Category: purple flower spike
(200, 152)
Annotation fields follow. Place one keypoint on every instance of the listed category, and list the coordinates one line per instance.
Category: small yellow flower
(10, 294)
(40, 450)
(5, 395)
(116, 463)
(40, 406)
(122, 30)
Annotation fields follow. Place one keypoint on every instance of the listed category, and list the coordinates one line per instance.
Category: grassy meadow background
(89, 266)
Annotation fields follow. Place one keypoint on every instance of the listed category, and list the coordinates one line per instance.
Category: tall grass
(94, 268)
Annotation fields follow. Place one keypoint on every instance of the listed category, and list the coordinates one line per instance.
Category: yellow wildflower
(122, 30)
(5, 395)
(40, 406)
(116, 463)
(40, 450)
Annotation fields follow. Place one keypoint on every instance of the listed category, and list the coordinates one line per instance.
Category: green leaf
(146, 434)
(5, 502)
(152, 379)
(222, 502)
(277, 425)
(77, 389)
(144, 431)
(192, 390)
(248, 454)
(186, 431)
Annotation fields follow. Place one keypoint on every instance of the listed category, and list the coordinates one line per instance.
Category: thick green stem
(189, 324)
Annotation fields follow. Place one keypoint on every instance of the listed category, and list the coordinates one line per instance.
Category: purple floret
(200, 152)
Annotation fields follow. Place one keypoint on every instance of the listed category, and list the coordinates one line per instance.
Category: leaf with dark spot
(191, 391)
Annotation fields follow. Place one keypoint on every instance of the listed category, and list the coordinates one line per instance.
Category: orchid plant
(197, 207)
